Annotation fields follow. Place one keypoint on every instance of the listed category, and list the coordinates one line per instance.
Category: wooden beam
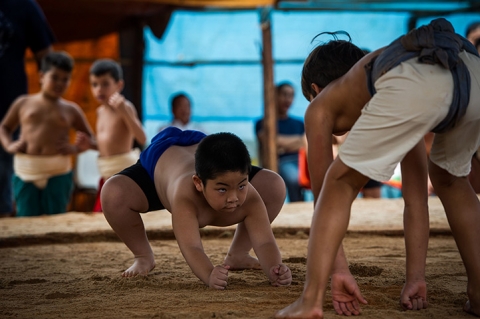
(269, 148)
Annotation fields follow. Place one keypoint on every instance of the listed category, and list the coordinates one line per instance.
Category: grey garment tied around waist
(435, 43)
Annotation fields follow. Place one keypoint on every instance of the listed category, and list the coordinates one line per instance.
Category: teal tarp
(215, 57)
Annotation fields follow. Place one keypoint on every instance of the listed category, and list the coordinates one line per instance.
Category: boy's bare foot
(299, 310)
(141, 266)
(468, 308)
(240, 262)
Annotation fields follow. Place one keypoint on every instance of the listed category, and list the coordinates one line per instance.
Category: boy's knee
(440, 177)
(268, 183)
(111, 194)
(120, 193)
(277, 183)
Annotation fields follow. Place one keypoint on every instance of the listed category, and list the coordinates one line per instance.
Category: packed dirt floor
(69, 266)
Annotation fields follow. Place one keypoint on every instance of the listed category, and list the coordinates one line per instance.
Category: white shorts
(411, 100)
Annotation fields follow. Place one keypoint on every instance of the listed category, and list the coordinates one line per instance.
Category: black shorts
(372, 184)
(140, 176)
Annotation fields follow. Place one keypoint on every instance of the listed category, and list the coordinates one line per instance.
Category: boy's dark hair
(328, 62)
(220, 153)
(283, 84)
(107, 66)
(176, 97)
(58, 59)
(472, 26)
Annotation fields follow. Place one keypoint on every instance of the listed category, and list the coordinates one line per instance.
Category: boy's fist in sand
(280, 275)
(218, 277)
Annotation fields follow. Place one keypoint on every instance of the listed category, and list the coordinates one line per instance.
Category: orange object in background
(303, 173)
(394, 183)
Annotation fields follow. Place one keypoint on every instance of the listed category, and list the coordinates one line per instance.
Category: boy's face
(104, 86)
(182, 110)
(474, 35)
(226, 192)
(55, 82)
(285, 98)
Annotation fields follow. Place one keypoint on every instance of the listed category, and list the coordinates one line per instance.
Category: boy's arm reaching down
(185, 227)
(263, 241)
(319, 129)
(416, 226)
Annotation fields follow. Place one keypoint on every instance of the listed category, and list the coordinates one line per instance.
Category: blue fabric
(435, 43)
(162, 141)
(22, 26)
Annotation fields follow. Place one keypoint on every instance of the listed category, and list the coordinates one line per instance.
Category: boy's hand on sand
(280, 275)
(117, 102)
(18, 146)
(218, 277)
(414, 296)
(346, 294)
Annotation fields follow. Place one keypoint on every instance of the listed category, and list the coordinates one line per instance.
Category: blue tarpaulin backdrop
(215, 57)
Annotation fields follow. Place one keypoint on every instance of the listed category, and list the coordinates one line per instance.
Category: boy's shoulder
(100, 107)
(129, 103)
(68, 104)
(27, 99)
(40, 98)
(181, 193)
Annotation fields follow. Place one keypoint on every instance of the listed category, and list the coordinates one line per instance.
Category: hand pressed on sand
(218, 277)
(346, 295)
(414, 296)
(280, 275)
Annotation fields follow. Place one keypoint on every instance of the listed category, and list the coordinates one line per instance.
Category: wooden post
(131, 58)
(269, 148)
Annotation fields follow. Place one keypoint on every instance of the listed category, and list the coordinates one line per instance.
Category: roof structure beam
(445, 6)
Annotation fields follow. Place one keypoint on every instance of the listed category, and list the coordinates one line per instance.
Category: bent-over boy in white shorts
(388, 101)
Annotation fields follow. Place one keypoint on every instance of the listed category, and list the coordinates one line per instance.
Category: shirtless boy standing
(201, 180)
(117, 125)
(427, 80)
(43, 179)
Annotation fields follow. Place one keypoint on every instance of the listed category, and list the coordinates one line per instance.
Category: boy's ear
(197, 182)
(40, 76)
(316, 88)
(120, 85)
